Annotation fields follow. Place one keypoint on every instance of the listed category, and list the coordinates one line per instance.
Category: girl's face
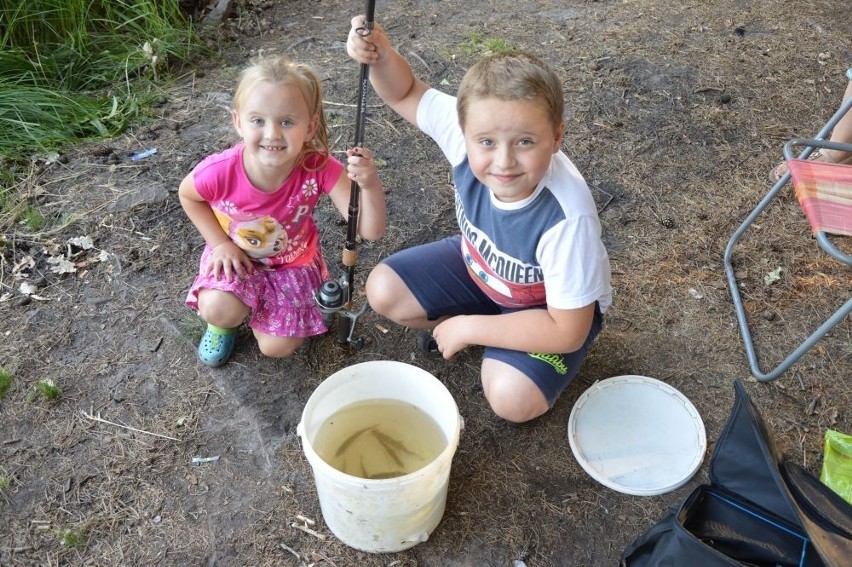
(274, 122)
(509, 145)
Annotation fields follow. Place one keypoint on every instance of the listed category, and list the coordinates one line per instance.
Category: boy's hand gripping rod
(336, 297)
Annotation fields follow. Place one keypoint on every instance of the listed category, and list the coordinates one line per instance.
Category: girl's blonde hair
(279, 70)
(511, 76)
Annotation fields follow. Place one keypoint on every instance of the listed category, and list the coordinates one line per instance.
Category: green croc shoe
(216, 345)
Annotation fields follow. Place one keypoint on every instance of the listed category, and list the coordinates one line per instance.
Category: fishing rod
(335, 297)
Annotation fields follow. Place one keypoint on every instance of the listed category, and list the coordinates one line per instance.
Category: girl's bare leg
(277, 347)
(221, 308)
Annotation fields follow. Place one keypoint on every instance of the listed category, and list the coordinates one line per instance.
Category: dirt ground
(676, 112)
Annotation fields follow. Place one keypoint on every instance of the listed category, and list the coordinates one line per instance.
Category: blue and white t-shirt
(545, 249)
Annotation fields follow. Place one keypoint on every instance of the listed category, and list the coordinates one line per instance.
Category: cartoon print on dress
(261, 237)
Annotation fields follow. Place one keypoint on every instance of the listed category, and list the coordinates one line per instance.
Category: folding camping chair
(824, 190)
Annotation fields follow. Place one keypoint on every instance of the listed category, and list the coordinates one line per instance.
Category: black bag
(758, 510)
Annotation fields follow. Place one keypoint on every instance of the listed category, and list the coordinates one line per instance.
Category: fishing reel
(333, 299)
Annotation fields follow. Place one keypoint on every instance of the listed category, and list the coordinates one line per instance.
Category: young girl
(253, 204)
(528, 277)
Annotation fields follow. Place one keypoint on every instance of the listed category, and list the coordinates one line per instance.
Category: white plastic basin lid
(637, 435)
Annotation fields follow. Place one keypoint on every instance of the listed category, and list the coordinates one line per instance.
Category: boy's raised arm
(390, 74)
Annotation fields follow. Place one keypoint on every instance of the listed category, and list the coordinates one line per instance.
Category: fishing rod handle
(349, 257)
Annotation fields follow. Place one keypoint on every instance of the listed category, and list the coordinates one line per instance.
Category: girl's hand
(229, 260)
(369, 48)
(361, 168)
(449, 335)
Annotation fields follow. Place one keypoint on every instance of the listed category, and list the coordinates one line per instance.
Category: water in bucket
(378, 439)
(380, 514)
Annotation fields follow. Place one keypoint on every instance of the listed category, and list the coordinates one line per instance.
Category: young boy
(528, 278)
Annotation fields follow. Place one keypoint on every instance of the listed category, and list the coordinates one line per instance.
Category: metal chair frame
(810, 144)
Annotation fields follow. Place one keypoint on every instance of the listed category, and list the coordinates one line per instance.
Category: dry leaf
(27, 288)
(25, 263)
(773, 276)
(84, 242)
(61, 265)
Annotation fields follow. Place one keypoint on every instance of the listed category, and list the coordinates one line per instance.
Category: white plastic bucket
(384, 515)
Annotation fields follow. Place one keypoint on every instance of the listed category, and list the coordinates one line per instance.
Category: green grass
(72, 538)
(478, 45)
(48, 389)
(5, 381)
(191, 326)
(76, 70)
(33, 219)
(79, 69)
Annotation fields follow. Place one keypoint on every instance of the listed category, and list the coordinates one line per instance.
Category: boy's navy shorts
(437, 276)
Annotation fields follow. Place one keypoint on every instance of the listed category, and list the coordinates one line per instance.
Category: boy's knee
(515, 410)
(513, 401)
(377, 288)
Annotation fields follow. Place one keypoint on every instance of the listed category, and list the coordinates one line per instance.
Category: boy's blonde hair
(510, 76)
(279, 70)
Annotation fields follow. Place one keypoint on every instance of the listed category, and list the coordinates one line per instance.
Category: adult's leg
(841, 133)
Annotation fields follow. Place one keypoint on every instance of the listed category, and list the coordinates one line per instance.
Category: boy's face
(509, 145)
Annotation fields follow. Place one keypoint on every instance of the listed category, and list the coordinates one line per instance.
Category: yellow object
(837, 464)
